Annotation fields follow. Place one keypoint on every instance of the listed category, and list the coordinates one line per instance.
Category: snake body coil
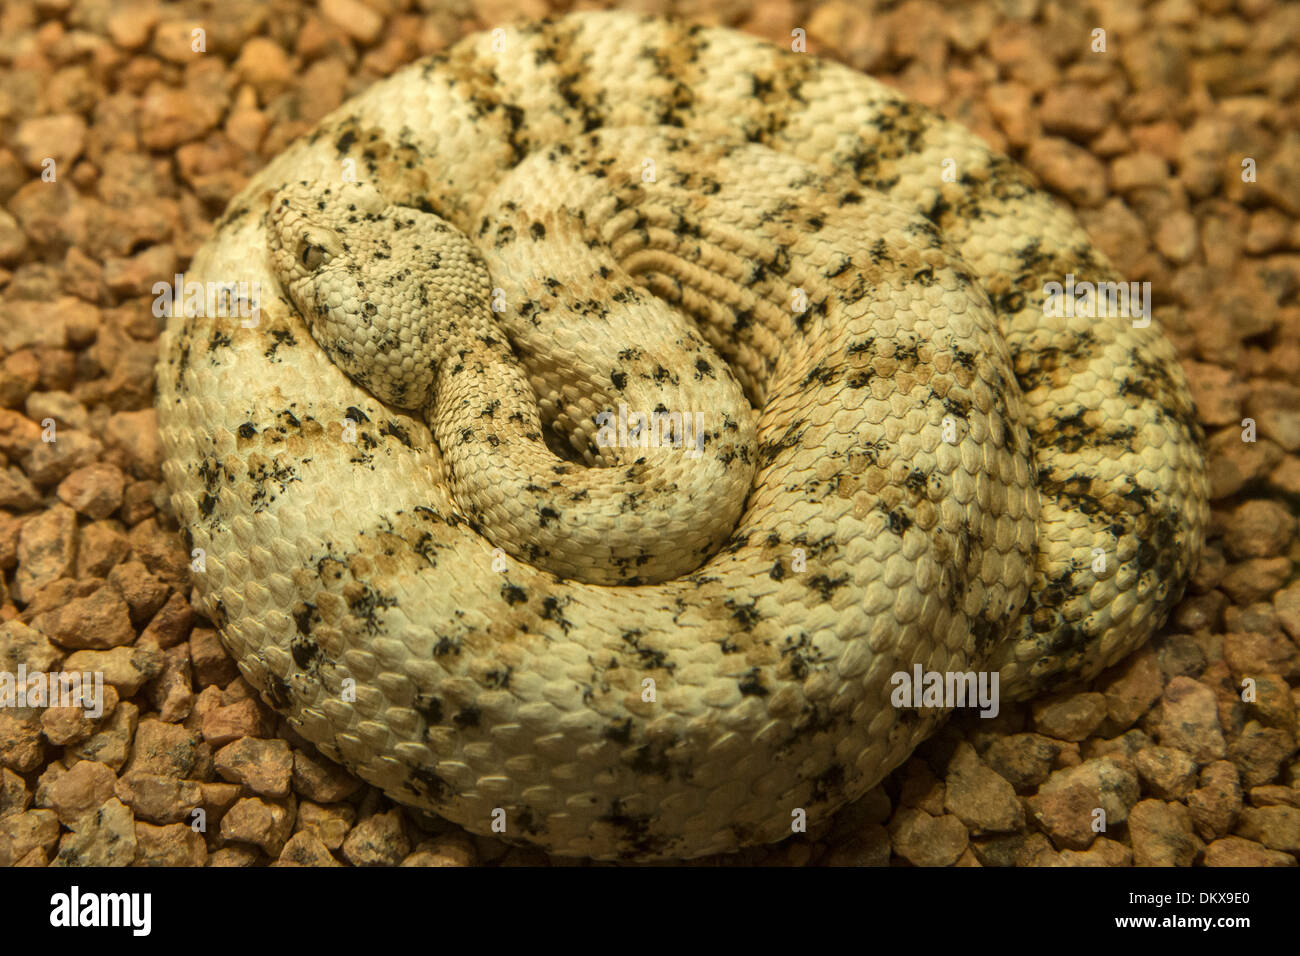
(646, 404)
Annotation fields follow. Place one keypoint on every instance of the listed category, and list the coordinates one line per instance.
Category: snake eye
(311, 255)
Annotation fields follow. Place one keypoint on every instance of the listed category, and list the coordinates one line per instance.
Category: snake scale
(433, 527)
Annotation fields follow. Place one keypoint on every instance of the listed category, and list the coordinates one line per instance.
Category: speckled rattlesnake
(613, 647)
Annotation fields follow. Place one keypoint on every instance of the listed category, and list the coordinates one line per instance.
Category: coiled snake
(628, 403)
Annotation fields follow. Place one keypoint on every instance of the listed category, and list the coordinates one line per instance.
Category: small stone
(869, 847)
(1261, 652)
(1218, 393)
(1065, 806)
(1214, 806)
(101, 548)
(1287, 604)
(328, 823)
(1069, 170)
(171, 690)
(171, 117)
(143, 592)
(1138, 171)
(305, 849)
(165, 749)
(103, 837)
(67, 412)
(1189, 720)
(174, 845)
(354, 18)
(1275, 795)
(1162, 834)
(1103, 852)
(32, 830)
(14, 795)
(21, 747)
(1133, 686)
(981, 799)
(245, 718)
(136, 436)
(126, 668)
(17, 491)
(1074, 111)
(1025, 760)
(378, 840)
(1168, 774)
(218, 798)
(1071, 717)
(322, 780)
(48, 463)
(85, 787)
(94, 491)
(1234, 851)
(158, 798)
(98, 621)
(263, 63)
(1259, 752)
(47, 548)
(264, 823)
(234, 856)
(212, 665)
(129, 25)
(926, 840)
(1233, 464)
(112, 743)
(263, 766)
(1278, 828)
(456, 850)
(61, 138)
(171, 625)
(1258, 528)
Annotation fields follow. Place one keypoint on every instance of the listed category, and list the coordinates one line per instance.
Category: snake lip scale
(420, 546)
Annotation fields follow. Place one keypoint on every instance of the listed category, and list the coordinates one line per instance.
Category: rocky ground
(149, 139)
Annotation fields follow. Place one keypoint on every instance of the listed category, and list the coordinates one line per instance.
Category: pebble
(159, 798)
(1234, 851)
(174, 845)
(262, 766)
(329, 823)
(1277, 827)
(1066, 806)
(982, 800)
(1072, 717)
(305, 849)
(1162, 834)
(104, 836)
(1188, 720)
(126, 668)
(924, 839)
(47, 546)
(1215, 804)
(378, 840)
(245, 718)
(1166, 773)
(451, 849)
(321, 780)
(265, 823)
(94, 491)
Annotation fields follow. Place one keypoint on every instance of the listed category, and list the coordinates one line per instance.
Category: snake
(629, 406)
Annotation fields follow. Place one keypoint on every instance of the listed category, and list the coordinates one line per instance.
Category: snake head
(380, 286)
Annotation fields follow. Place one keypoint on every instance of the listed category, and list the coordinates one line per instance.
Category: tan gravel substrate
(149, 139)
